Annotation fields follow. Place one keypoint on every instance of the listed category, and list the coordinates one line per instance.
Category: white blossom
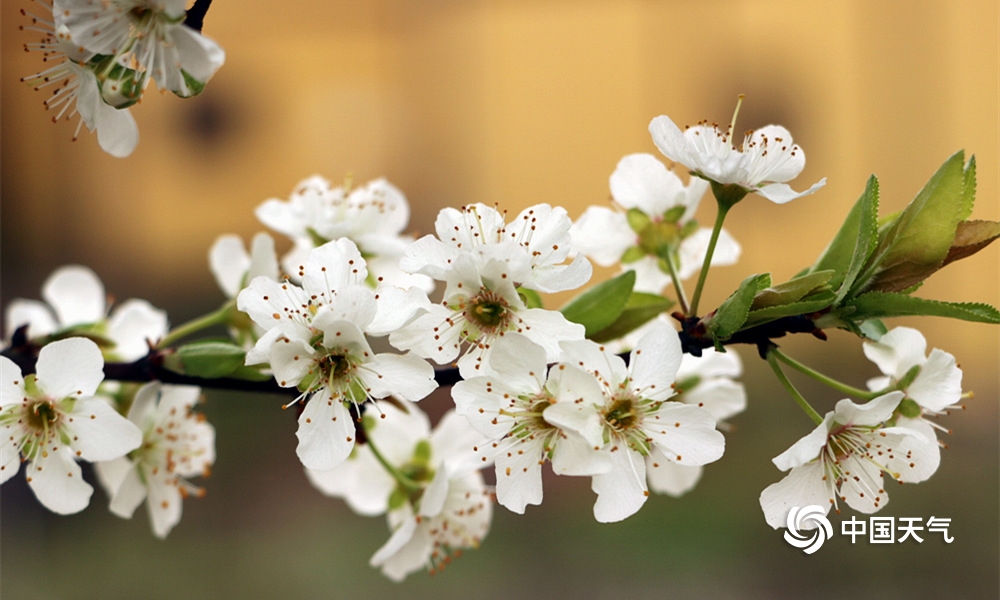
(52, 418)
(844, 459)
(176, 444)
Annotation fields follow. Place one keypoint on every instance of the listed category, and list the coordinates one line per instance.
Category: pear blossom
(52, 418)
(508, 406)
(79, 91)
(634, 418)
(373, 216)
(484, 262)
(445, 506)
(233, 267)
(75, 300)
(657, 225)
(315, 340)
(844, 460)
(766, 159)
(932, 383)
(148, 36)
(176, 444)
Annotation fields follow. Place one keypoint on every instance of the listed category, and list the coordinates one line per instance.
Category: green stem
(218, 317)
(824, 379)
(672, 271)
(412, 487)
(716, 230)
(772, 360)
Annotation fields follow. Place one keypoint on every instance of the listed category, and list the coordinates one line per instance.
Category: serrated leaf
(641, 308)
(733, 312)
(813, 304)
(913, 246)
(850, 248)
(792, 290)
(209, 359)
(602, 304)
(879, 305)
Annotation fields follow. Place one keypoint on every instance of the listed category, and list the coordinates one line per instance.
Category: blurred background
(515, 102)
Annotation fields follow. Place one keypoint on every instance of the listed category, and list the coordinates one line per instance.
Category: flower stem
(218, 317)
(412, 487)
(772, 359)
(824, 379)
(716, 230)
(672, 271)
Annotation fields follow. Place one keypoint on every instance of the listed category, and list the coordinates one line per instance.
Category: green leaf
(878, 305)
(914, 245)
(793, 290)
(971, 237)
(854, 243)
(733, 312)
(813, 304)
(602, 304)
(641, 308)
(209, 359)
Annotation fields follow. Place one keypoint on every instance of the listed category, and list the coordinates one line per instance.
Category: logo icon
(808, 541)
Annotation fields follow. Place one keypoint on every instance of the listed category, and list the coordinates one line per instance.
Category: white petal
(803, 486)
(874, 412)
(229, 262)
(76, 294)
(519, 475)
(667, 477)
(129, 493)
(573, 455)
(198, 55)
(780, 193)
(939, 383)
(621, 492)
(164, 505)
(807, 448)
(11, 383)
(641, 181)
(269, 302)
(70, 367)
(603, 235)
(10, 453)
(326, 432)
(406, 376)
(117, 132)
(36, 315)
(654, 362)
(58, 482)
(360, 480)
(407, 550)
(133, 325)
(685, 434)
(111, 473)
(100, 432)
(897, 351)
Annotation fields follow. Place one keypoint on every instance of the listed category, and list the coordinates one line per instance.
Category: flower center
(659, 237)
(43, 415)
(488, 311)
(621, 416)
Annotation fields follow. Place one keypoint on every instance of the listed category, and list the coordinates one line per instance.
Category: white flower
(234, 268)
(176, 443)
(52, 418)
(79, 89)
(315, 340)
(508, 406)
(481, 304)
(844, 458)
(146, 35)
(535, 244)
(373, 216)
(76, 300)
(766, 160)
(446, 508)
(633, 419)
(659, 223)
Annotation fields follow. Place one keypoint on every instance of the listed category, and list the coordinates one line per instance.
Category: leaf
(732, 313)
(878, 305)
(602, 304)
(804, 307)
(850, 248)
(914, 245)
(641, 308)
(209, 359)
(971, 237)
(792, 290)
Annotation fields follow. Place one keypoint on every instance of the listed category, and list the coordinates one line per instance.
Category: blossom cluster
(102, 55)
(345, 322)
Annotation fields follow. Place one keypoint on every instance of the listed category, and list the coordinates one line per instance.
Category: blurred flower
(176, 443)
(315, 340)
(633, 420)
(444, 509)
(372, 216)
(766, 160)
(234, 268)
(658, 225)
(76, 303)
(52, 418)
(844, 458)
